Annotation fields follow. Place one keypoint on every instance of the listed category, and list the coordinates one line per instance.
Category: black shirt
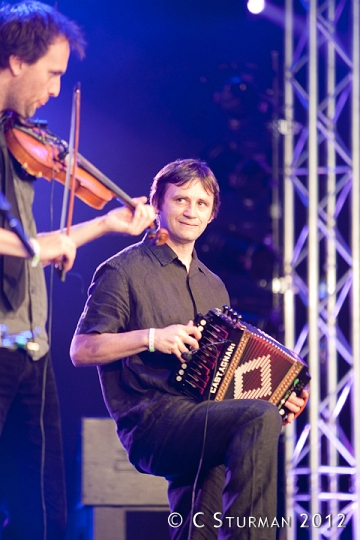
(145, 286)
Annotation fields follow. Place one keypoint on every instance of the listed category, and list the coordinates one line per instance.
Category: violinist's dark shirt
(32, 313)
(145, 286)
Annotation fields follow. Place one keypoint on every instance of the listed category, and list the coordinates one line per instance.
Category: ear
(16, 65)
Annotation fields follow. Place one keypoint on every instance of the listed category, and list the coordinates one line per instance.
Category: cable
(43, 389)
(193, 495)
(43, 447)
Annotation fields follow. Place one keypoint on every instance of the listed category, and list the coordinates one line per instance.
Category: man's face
(34, 84)
(185, 212)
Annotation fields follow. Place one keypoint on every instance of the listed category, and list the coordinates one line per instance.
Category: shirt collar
(165, 255)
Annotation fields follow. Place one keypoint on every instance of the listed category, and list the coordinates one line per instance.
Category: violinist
(35, 44)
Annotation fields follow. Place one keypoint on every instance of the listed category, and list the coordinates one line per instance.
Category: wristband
(36, 247)
(151, 339)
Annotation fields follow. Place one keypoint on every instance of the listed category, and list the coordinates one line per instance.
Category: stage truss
(321, 283)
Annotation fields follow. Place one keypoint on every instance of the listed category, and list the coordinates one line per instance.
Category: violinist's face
(33, 84)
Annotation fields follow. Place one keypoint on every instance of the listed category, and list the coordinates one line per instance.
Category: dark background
(148, 83)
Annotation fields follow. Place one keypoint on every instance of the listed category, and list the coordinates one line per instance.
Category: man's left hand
(296, 405)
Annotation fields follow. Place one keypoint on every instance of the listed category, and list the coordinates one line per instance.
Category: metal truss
(321, 284)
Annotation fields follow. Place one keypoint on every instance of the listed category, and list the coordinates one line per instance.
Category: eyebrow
(187, 198)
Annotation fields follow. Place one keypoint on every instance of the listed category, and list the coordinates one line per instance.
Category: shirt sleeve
(107, 306)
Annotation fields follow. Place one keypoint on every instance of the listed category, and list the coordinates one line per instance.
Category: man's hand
(123, 220)
(57, 248)
(296, 405)
(120, 220)
(177, 339)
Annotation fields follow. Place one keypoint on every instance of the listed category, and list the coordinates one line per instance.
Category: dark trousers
(32, 486)
(236, 493)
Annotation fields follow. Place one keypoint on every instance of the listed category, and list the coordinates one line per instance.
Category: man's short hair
(180, 172)
(27, 29)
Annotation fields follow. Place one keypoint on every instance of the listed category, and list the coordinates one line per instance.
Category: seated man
(220, 458)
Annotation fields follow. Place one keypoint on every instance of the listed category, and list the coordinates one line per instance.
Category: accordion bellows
(236, 360)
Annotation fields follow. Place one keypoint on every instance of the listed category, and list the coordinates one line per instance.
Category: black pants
(236, 494)
(32, 486)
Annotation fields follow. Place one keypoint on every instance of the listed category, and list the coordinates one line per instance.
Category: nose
(54, 88)
(190, 210)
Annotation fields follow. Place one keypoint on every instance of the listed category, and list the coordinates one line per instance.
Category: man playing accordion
(220, 458)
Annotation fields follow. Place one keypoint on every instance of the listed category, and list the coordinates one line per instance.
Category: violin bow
(71, 167)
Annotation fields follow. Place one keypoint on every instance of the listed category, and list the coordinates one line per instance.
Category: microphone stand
(14, 224)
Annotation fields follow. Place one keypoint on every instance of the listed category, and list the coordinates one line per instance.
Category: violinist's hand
(296, 405)
(124, 220)
(57, 248)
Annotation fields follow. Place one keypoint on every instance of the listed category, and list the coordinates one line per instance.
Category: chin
(30, 112)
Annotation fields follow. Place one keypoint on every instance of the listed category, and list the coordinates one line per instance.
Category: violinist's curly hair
(27, 29)
(180, 172)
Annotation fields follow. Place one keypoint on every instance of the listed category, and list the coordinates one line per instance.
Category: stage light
(256, 6)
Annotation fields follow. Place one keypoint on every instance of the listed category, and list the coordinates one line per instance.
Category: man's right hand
(57, 248)
(100, 349)
(177, 339)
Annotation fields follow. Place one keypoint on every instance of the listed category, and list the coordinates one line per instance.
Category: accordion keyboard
(236, 360)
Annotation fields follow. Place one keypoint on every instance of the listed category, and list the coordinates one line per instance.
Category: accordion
(236, 360)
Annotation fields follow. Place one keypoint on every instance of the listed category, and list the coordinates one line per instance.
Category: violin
(43, 155)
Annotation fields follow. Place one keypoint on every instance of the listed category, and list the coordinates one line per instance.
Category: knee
(263, 415)
(258, 432)
(270, 416)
